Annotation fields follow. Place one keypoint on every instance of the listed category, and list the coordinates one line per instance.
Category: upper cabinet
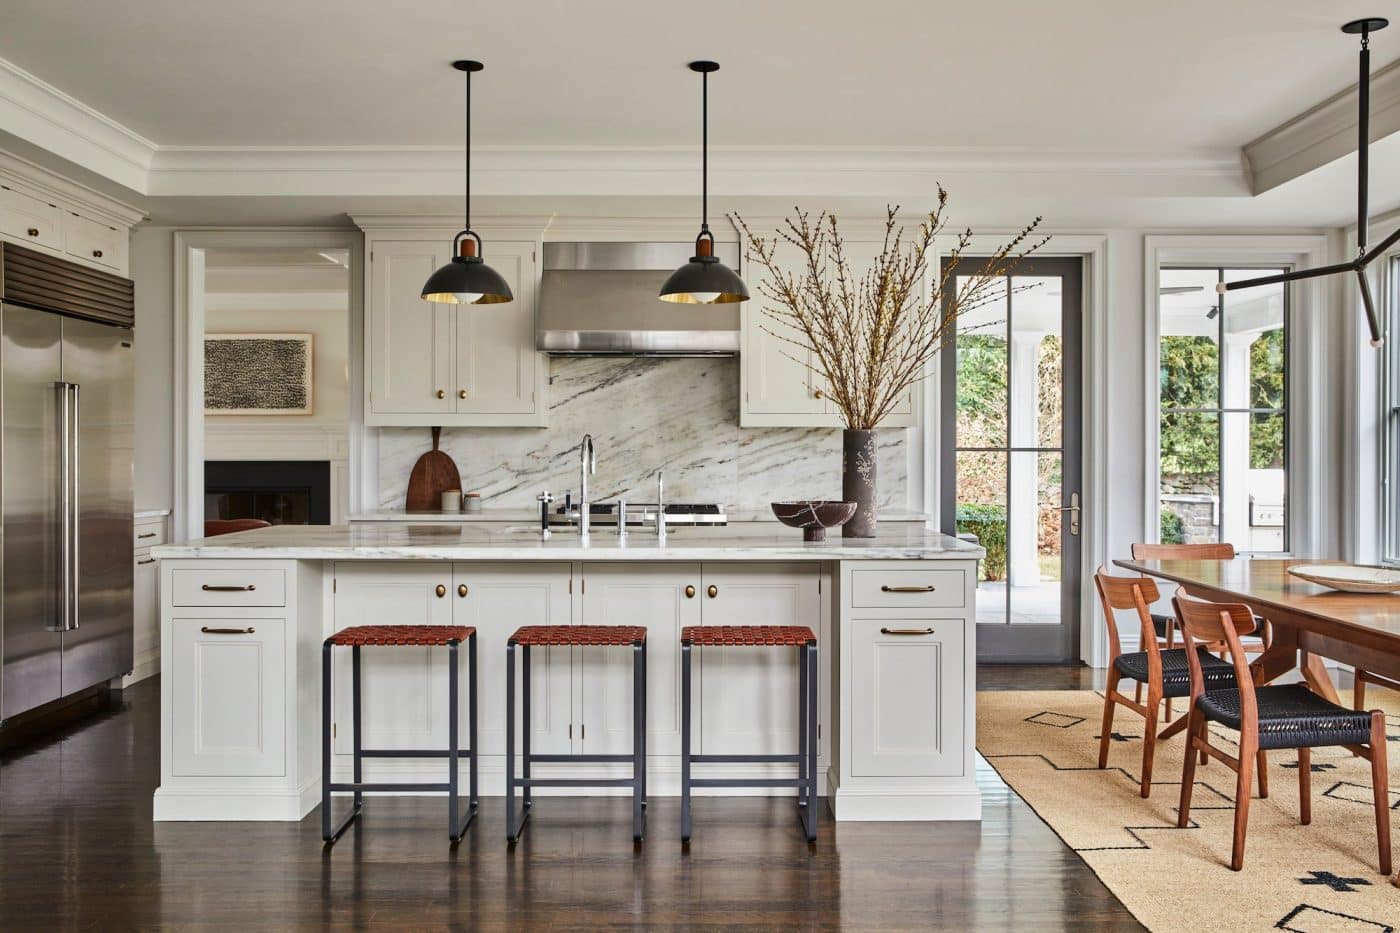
(442, 364)
(778, 387)
(48, 213)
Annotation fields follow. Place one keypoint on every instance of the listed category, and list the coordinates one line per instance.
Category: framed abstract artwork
(257, 374)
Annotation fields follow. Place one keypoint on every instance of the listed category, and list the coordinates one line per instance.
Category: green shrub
(988, 523)
(1173, 529)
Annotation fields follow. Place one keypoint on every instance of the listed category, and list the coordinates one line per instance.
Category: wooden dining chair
(1285, 716)
(1358, 690)
(1163, 623)
(1163, 671)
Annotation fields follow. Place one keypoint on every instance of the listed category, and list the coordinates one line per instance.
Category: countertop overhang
(468, 541)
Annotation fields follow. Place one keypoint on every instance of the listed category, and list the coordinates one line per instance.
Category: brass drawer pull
(149, 534)
(149, 560)
(907, 589)
(226, 631)
(462, 589)
(219, 588)
(32, 231)
(441, 591)
(906, 631)
(461, 393)
(690, 592)
(712, 591)
(441, 393)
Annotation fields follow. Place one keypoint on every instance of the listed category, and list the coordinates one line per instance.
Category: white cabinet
(444, 364)
(663, 597)
(145, 602)
(230, 678)
(47, 213)
(907, 697)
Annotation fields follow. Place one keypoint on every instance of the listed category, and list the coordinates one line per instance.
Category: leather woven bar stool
(757, 636)
(583, 636)
(362, 636)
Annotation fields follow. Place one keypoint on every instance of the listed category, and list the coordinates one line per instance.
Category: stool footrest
(746, 759)
(748, 782)
(414, 753)
(574, 782)
(554, 758)
(381, 787)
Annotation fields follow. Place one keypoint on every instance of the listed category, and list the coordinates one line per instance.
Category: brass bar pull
(220, 588)
(226, 631)
(149, 560)
(906, 631)
(907, 589)
(148, 534)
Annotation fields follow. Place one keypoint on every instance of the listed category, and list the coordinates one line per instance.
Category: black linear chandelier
(704, 280)
(467, 279)
(1364, 256)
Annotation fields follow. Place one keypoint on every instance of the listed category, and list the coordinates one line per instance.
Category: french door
(1011, 457)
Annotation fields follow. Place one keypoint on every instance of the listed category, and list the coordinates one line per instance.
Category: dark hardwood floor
(78, 850)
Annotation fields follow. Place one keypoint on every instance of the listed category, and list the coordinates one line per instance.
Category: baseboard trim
(147, 666)
(209, 805)
(953, 804)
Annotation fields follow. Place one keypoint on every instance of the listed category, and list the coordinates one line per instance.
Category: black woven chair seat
(1176, 674)
(1290, 716)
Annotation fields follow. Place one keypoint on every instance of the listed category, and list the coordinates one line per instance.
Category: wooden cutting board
(432, 475)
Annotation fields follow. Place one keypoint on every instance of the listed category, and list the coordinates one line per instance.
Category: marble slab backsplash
(677, 415)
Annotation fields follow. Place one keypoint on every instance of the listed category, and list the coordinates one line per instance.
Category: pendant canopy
(467, 279)
(704, 280)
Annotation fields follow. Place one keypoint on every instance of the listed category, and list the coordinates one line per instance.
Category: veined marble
(677, 415)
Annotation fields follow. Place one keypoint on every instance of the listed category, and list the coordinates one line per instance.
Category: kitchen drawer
(94, 242)
(30, 220)
(252, 587)
(908, 589)
(148, 535)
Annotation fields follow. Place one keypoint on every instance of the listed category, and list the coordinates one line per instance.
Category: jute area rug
(1321, 878)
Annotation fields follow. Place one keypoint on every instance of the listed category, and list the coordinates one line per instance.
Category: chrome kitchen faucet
(587, 464)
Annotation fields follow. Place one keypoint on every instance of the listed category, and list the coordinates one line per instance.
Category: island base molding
(959, 803)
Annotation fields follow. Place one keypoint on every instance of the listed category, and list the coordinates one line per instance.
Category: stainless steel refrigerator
(66, 447)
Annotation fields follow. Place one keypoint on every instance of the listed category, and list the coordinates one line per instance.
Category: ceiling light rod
(1364, 256)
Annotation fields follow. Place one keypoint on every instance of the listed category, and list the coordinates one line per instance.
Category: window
(1390, 412)
(1223, 438)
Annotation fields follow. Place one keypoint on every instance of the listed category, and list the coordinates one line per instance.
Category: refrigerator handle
(65, 506)
(75, 510)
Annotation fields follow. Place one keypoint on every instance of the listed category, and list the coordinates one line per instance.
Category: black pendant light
(1364, 256)
(704, 280)
(467, 280)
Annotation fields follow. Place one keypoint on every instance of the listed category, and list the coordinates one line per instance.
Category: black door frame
(1031, 642)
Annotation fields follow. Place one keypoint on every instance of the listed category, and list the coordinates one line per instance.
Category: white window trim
(1309, 396)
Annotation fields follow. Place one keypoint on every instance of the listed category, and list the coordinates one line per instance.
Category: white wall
(153, 269)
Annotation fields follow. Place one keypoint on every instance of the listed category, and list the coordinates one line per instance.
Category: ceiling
(1087, 111)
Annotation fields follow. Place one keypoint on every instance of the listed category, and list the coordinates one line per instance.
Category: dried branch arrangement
(871, 337)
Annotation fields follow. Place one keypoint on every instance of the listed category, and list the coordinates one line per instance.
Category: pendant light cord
(467, 217)
(705, 150)
(1363, 169)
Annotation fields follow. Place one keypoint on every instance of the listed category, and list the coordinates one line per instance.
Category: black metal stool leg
(802, 800)
(526, 724)
(455, 831)
(638, 724)
(513, 827)
(471, 723)
(329, 834)
(811, 727)
(685, 743)
(644, 723)
(355, 722)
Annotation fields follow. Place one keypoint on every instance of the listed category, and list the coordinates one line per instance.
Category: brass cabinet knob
(690, 592)
(97, 254)
(441, 393)
(818, 394)
(462, 589)
(461, 393)
(712, 591)
(32, 231)
(441, 591)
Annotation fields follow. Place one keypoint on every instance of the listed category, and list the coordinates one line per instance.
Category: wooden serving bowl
(814, 516)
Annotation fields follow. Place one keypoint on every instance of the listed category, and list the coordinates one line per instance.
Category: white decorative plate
(1351, 578)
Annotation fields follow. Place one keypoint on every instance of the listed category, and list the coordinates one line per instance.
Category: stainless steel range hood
(600, 299)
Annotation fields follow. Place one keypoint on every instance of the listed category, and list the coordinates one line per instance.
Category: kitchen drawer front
(914, 588)
(30, 220)
(230, 693)
(907, 697)
(231, 587)
(148, 535)
(90, 241)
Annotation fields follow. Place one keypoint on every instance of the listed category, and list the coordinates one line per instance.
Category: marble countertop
(462, 541)
(735, 516)
(150, 513)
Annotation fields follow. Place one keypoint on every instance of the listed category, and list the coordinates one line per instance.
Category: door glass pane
(981, 505)
(1188, 357)
(1190, 485)
(1036, 378)
(982, 368)
(1253, 481)
(1033, 538)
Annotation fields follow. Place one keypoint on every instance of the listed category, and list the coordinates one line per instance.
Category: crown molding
(42, 181)
(40, 113)
(1323, 133)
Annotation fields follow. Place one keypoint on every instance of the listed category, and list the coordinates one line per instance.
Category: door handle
(68, 488)
(1073, 510)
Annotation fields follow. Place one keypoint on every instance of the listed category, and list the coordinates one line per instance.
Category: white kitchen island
(243, 617)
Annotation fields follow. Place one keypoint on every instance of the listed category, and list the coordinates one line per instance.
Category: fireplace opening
(281, 492)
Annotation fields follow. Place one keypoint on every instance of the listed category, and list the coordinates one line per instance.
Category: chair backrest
(1204, 623)
(214, 527)
(1135, 593)
(1183, 551)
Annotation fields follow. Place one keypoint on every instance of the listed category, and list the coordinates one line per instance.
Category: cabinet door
(654, 596)
(231, 697)
(906, 696)
(145, 609)
(496, 358)
(403, 691)
(779, 388)
(751, 694)
(410, 340)
(499, 598)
